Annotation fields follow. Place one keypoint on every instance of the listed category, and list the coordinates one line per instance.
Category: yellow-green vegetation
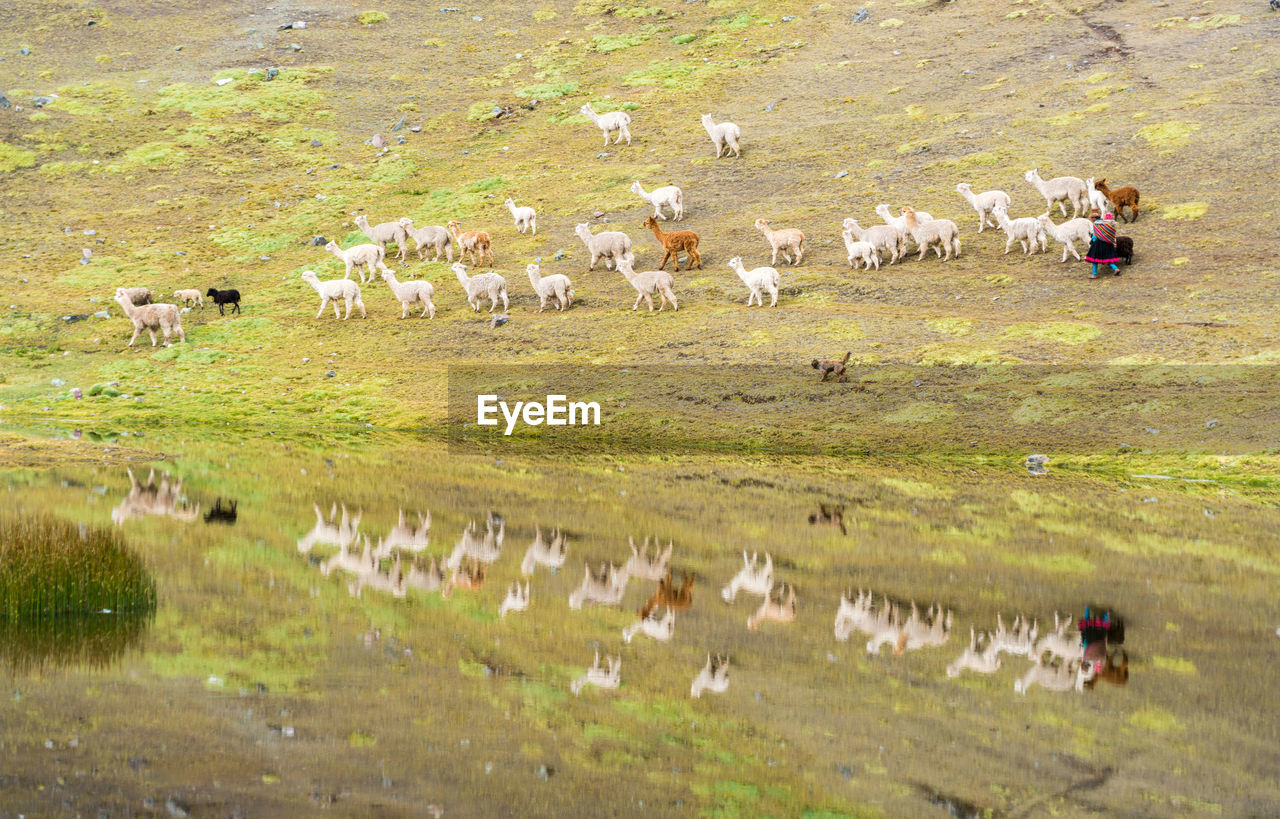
(1062, 332)
(1185, 210)
(368, 18)
(13, 157)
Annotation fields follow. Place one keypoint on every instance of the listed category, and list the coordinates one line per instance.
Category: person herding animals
(832, 367)
(1102, 243)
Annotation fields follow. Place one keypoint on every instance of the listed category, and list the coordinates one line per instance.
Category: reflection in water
(605, 589)
(832, 515)
(542, 552)
(598, 675)
(517, 599)
(642, 567)
(483, 548)
(1020, 640)
(342, 534)
(164, 498)
(1059, 643)
(780, 611)
(414, 538)
(1059, 677)
(985, 661)
(95, 640)
(660, 630)
(751, 578)
(221, 514)
(713, 677)
(469, 575)
(668, 595)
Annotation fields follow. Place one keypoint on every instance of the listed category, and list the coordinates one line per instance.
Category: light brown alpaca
(675, 243)
(668, 595)
(788, 241)
(473, 242)
(470, 578)
(151, 317)
(1121, 198)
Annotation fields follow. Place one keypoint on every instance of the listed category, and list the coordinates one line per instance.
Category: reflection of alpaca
(598, 675)
(1061, 677)
(641, 567)
(606, 589)
(781, 611)
(540, 552)
(751, 578)
(668, 595)
(713, 677)
(404, 536)
(152, 499)
(482, 547)
(1111, 672)
(327, 534)
(981, 662)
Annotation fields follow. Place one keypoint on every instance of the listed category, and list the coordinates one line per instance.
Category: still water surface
(342, 632)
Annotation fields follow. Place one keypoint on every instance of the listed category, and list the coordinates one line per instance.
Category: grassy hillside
(189, 183)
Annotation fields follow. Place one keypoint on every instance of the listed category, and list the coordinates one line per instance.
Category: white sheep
(725, 135)
(648, 284)
(941, 234)
(610, 245)
(864, 251)
(788, 241)
(1024, 229)
(1068, 233)
(334, 289)
(887, 239)
(483, 286)
(669, 196)
(1096, 198)
(190, 297)
(761, 278)
(151, 317)
(410, 293)
(383, 233)
(557, 285)
(1061, 189)
(983, 202)
(525, 216)
(612, 121)
(368, 255)
(429, 236)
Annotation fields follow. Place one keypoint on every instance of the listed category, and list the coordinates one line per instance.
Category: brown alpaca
(473, 242)
(668, 595)
(674, 243)
(833, 515)
(1120, 197)
(830, 366)
(469, 578)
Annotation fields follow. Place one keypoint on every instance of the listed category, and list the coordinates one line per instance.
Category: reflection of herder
(1097, 634)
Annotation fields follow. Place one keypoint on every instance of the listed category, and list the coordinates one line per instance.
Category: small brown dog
(830, 367)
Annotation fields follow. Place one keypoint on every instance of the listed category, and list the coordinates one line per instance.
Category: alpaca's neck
(126, 304)
(463, 278)
(657, 231)
(909, 219)
(710, 126)
(535, 279)
(390, 279)
(315, 284)
(511, 207)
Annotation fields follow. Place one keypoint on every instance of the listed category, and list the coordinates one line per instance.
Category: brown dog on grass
(831, 367)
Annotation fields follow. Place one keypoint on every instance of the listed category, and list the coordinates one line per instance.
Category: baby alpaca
(983, 203)
(430, 236)
(713, 677)
(525, 217)
(887, 239)
(598, 676)
(782, 611)
(790, 241)
(489, 286)
(649, 283)
(517, 599)
(831, 367)
(1068, 233)
(383, 233)
(151, 317)
(940, 234)
(667, 196)
(1126, 197)
(367, 255)
(612, 121)
(190, 297)
(334, 289)
(660, 630)
(864, 251)
(557, 285)
(410, 293)
(1023, 229)
(760, 278)
(1061, 189)
(675, 243)
(475, 242)
(724, 135)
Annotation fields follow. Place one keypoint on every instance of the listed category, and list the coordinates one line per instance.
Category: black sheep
(1124, 248)
(223, 298)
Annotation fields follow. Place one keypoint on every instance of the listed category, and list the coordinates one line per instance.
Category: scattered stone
(561, 255)
(4, 102)
(176, 808)
(598, 214)
(402, 140)
(330, 168)
(787, 19)
(295, 26)
(475, 18)
(499, 320)
(58, 382)
(102, 314)
(378, 141)
(222, 81)
(842, 175)
(1151, 430)
(137, 763)
(861, 16)
(530, 105)
(178, 48)
(602, 155)
(86, 254)
(91, 23)
(305, 360)
(272, 73)
(41, 102)
(294, 47)
(398, 124)
(91, 232)
(769, 108)
(416, 127)
(330, 374)
(24, 51)
(1036, 464)
(1211, 423)
(446, 10)
(496, 112)
(319, 241)
(315, 143)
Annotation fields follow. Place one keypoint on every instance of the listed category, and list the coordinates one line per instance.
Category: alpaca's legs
(152, 333)
(506, 305)
(694, 258)
(666, 256)
(670, 296)
(1008, 246)
(639, 296)
(649, 300)
(773, 260)
(773, 295)
(237, 307)
(533, 225)
(323, 302)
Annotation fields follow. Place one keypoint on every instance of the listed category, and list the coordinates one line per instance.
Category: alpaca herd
(1057, 659)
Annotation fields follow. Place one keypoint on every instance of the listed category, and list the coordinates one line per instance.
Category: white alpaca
(190, 297)
(489, 286)
(1059, 643)
(980, 662)
(1061, 189)
(1096, 198)
(610, 245)
(724, 135)
(557, 285)
(713, 677)
(1019, 641)
(383, 233)
(605, 590)
(900, 222)
(517, 599)
(780, 611)
(367, 255)
(526, 218)
(667, 196)
(886, 239)
(151, 317)
(410, 293)
(550, 554)
(648, 284)
(983, 203)
(788, 241)
(751, 578)
(599, 676)
(940, 234)
(1061, 677)
(642, 567)
(333, 290)
(757, 280)
(660, 630)
(1022, 229)
(610, 122)
(432, 236)
(860, 251)
(1068, 233)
